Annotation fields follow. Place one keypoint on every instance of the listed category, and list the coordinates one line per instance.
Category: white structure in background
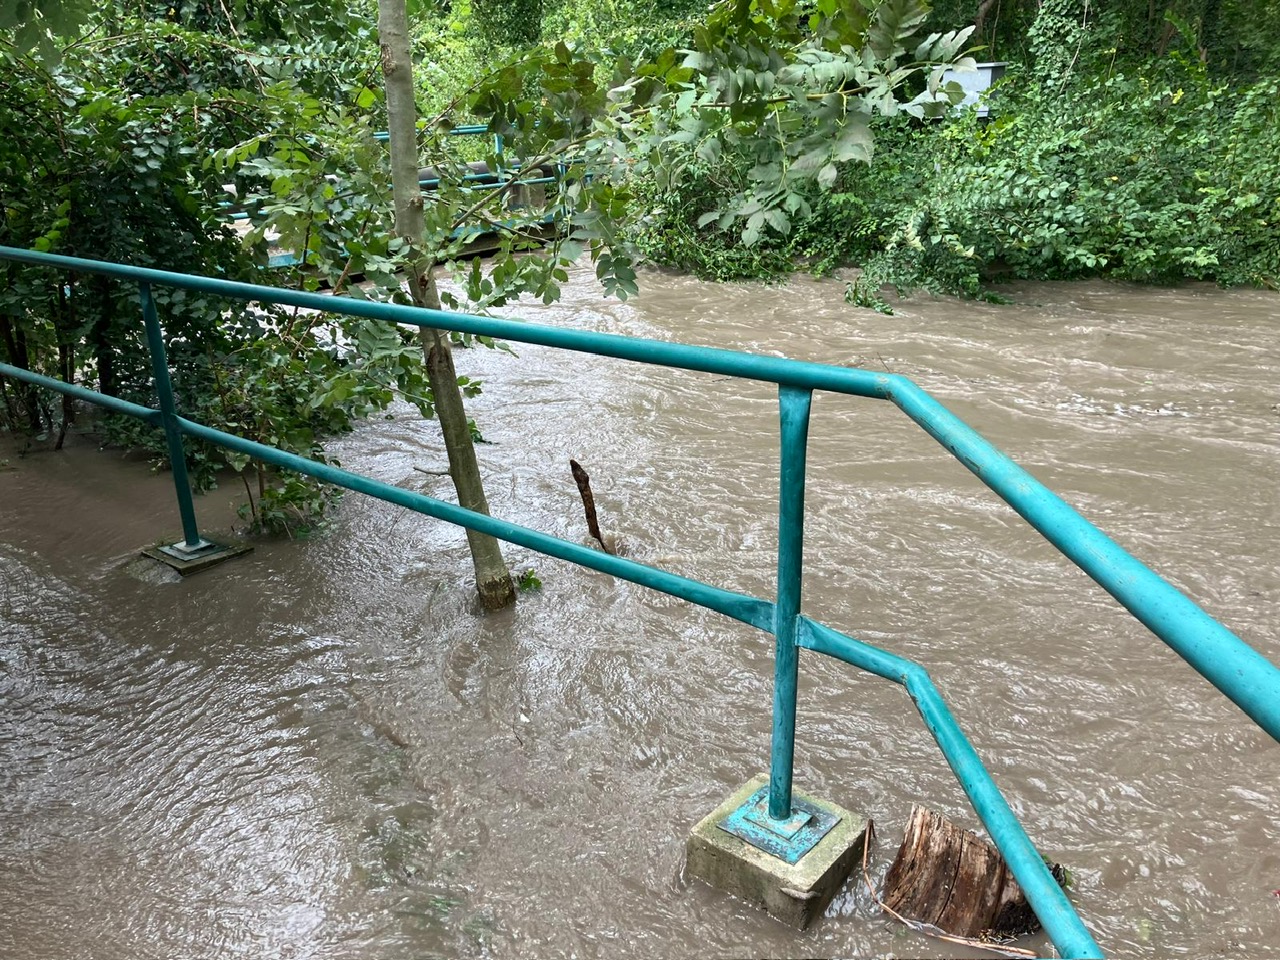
(975, 83)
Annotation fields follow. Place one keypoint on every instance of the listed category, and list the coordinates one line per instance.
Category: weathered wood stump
(956, 881)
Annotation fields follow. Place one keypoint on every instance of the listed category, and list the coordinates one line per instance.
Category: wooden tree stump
(954, 880)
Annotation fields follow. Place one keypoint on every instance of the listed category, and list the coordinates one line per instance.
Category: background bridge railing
(508, 174)
(475, 177)
(1240, 672)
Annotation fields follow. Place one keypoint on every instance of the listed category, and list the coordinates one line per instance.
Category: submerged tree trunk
(954, 880)
(493, 580)
(15, 344)
(100, 335)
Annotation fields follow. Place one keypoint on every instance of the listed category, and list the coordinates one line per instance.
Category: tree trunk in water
(493, 580)
(100, 336)
(15, 343)
(954, 880)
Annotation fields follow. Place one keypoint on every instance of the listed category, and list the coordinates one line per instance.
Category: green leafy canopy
(791, 89)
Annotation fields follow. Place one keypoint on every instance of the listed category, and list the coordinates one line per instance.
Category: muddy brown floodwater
(323, 751)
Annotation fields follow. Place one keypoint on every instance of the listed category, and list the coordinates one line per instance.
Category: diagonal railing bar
(1244, 675)
(737, 606)
(1052, 907)
(1248, 678)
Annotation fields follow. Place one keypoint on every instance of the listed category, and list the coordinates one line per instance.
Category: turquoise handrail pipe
(462, 130)
(1248, 678)
(114, 404)
(169, 417)
(474, 177)
(1051, 905)
(814, 376)
(794, 405)
(1240, 672)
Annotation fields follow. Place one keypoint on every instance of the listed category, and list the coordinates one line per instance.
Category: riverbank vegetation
(1137, 141)
(1140, 141)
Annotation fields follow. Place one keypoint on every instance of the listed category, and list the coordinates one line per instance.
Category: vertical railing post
(169, 417)
(793, 405)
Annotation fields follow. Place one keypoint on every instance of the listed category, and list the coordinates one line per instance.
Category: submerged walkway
(432, 754)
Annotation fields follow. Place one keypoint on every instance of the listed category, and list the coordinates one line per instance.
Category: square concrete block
(793, 893)
(216, 554)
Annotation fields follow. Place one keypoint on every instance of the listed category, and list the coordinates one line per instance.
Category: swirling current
(322, 750)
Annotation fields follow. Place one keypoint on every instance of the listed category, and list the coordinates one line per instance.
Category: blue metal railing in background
(462, 130)
(506, 175)
(1240, 672)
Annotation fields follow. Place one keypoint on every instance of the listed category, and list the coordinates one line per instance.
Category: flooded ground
(323, 751)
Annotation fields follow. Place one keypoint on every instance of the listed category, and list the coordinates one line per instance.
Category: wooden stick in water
(588, 503)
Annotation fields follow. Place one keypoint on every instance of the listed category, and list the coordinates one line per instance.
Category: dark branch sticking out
(588, 503)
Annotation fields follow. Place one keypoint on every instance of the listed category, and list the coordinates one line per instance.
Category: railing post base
(790, 868)
(188, 559)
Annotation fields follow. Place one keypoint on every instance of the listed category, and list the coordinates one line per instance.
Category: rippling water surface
(322, 750)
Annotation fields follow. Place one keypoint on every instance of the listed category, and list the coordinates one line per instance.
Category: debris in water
(583, 481)
(954, 880)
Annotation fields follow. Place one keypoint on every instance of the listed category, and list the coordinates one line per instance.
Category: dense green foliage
(1150, 177)
(146, 116)
(1117, 149)
(118, 168)
(141, 121)
(1235, 38)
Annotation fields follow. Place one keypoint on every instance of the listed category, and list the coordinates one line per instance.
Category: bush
(668, 233)
(1156, 176)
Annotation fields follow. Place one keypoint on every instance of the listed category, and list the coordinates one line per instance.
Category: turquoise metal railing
(1240, 672)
